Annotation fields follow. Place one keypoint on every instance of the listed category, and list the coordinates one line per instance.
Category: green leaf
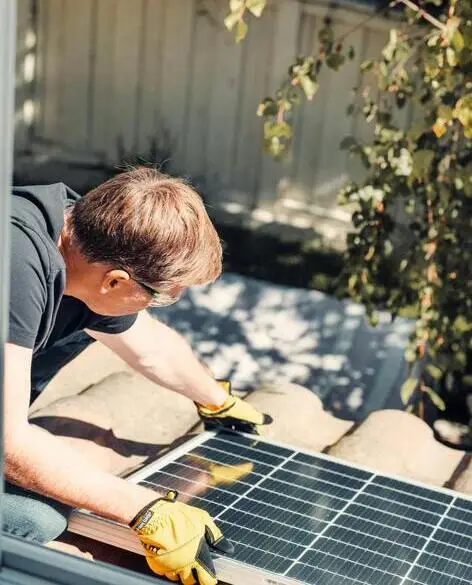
(388, 248)
(366, 65)
(373, 319)
(232, 19)
(422, 161)
(467, 380)
(417, 130)
(390, 48)
(277, 130)
(451, 57)
(267, 108)
(407, 389)
(351, 285)
(445, 112)
(435, 398)
(461, 325)
(434, 371)
(463, 110)
(309, 86)
(256, 7)
(335, 60)
(457, 41)
(326, 35)
(348, 142)
(410, 355)
(351, 53)
(236, 6)
(452, 25)
(241, 30)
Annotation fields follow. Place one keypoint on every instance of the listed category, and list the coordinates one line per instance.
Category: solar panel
(297, 517)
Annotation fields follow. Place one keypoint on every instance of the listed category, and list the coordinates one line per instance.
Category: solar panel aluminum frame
(228, 570)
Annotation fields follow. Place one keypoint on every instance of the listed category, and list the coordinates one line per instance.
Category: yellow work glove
(177, 539)
(234, 413)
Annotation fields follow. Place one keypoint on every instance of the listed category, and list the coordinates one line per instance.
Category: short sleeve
(112, 325)
(27, 291)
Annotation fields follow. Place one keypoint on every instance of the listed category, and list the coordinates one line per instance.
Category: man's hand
(234, 413)
(177, 539)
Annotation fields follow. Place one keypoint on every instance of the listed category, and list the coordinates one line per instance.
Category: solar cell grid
(315, 520)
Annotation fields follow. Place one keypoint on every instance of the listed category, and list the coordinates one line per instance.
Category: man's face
(116, 293)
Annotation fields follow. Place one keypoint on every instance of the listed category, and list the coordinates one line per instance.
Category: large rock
(119, 422)
(399, 443)
(299, 418)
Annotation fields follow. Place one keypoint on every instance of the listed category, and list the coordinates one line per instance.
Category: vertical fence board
(330, 172)
(202, 83)
(75, 60)
(285, 35)
(25, 59)
(308, 119)
(53, 78)
(177, 50)
(248, 132)
(102, 137)
(126, 54)
(224, 106)
(151, 82)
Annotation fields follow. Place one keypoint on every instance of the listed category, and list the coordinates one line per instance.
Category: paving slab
(299, 418)
(119, 422)
(399, 443)
(93, 365)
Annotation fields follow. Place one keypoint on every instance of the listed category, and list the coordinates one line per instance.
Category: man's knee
(38, 520)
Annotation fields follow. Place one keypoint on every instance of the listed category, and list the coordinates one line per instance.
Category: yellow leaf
(439, 128)
(370, 254)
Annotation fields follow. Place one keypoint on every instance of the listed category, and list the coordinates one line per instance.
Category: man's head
(140, 231)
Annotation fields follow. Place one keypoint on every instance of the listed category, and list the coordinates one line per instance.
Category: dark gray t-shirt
(40, 313)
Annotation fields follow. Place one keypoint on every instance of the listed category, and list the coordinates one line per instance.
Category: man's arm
(39, 461)
(164, 356)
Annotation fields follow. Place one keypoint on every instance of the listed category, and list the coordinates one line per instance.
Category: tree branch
(434, 21)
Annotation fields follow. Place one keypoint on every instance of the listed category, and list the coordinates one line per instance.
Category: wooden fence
(136, 76)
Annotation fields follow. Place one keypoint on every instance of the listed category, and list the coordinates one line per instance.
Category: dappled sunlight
(258, 333)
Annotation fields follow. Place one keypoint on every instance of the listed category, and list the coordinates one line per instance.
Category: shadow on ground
(257, 333)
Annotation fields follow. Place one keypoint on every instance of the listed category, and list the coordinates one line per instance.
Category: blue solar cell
(320, 522)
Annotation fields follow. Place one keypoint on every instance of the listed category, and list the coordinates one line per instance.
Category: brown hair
(151, 224)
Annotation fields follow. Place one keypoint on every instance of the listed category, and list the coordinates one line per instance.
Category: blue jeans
(24, 513)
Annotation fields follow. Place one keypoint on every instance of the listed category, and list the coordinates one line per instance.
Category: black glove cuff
(144, 515)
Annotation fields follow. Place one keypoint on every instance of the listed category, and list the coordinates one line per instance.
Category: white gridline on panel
(261, 487)
(375, 496)
(316, 505)
(430, 489)
(321, 534)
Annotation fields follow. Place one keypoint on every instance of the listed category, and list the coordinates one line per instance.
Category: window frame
(22, 562)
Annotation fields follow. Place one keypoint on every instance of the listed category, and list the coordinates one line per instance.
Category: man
(94, 264)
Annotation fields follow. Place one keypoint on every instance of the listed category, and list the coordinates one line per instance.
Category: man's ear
(114, 279)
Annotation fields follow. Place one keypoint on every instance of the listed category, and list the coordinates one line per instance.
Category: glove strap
(145, 514)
